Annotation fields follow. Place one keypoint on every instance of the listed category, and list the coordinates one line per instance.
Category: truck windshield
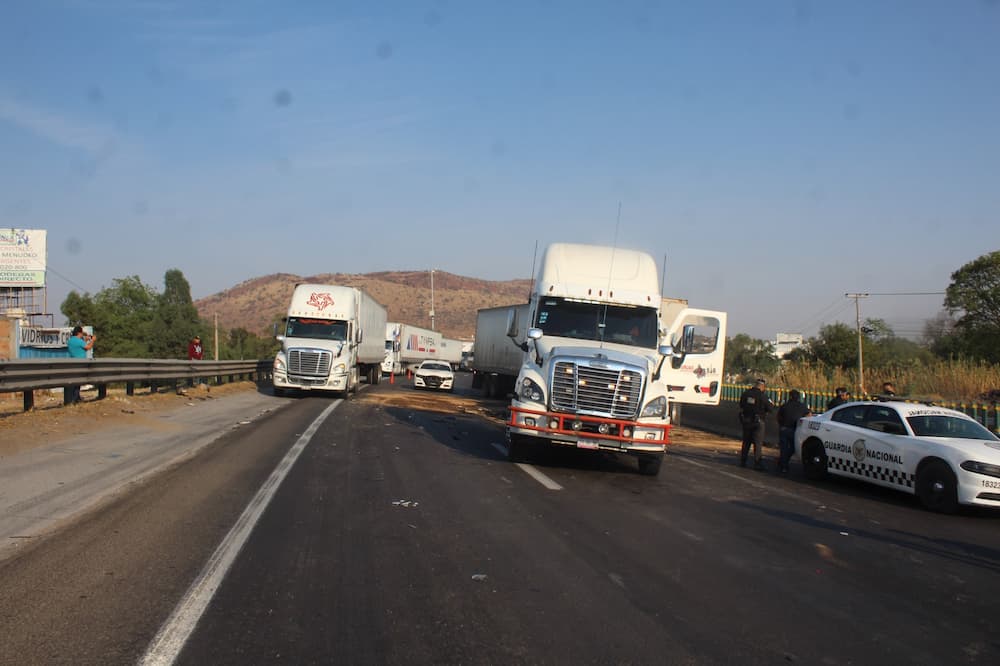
(319, 329)
(622, 324)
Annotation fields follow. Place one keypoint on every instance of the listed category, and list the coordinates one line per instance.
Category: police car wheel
(813, 460)
(937, 487)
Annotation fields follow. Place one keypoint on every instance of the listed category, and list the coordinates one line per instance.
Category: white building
(786, 342)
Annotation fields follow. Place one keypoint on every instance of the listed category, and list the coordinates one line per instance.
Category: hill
(257, 303)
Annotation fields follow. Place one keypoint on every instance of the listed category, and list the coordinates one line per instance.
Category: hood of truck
(614, 353)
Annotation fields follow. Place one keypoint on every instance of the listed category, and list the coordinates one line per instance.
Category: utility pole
(432, 299)
(861, 363)
(216, 336)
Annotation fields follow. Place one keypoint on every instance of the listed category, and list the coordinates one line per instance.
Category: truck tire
(517, 448)
(649, 464)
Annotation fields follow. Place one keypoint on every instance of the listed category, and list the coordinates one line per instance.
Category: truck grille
(310, 362)
(611, 392)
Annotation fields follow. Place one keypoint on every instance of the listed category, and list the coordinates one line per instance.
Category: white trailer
(333, 337)
(496, 357)
(406, 346)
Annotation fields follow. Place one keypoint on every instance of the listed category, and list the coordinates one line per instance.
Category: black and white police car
(941, 455)
(433, 374)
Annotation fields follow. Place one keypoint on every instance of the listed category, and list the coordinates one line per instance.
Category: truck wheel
(649, 465)
(517, 448)
(937, 487)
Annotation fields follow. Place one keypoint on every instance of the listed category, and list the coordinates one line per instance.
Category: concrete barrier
(723, 420)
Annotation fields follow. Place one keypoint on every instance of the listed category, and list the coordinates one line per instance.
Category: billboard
(22, 258)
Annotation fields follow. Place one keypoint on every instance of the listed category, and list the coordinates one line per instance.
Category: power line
(58, 274)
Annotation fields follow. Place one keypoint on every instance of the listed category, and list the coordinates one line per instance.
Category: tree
(121, 315)
(176, 320)
(974, 295)
(746, 356)
(836, 346)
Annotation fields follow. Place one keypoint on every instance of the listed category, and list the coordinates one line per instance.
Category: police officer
(841, 397)
(788, 418)
(754, 406)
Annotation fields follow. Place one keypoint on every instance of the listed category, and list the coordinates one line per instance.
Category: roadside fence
(984, 413)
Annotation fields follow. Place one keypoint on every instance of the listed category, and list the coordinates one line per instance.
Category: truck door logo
(320, 301)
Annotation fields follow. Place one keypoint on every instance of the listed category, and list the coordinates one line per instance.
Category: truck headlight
(279, 363)
(981, 468)
(531, 391)
(340, 367)
(655, 407)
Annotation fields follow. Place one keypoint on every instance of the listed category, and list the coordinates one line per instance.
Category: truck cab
(592, 356)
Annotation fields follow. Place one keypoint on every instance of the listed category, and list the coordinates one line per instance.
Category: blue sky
(778, 153)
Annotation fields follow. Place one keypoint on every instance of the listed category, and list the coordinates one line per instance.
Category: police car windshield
(948, 426)
(596, 321)
(318, 329)
(435, 366)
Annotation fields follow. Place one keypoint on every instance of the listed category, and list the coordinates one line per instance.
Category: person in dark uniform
(788, 418)
(841, 397)
(754, 406)
(888, 391)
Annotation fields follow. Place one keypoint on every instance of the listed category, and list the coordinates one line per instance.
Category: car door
(881, 456)
(840, 434)
(694, 374)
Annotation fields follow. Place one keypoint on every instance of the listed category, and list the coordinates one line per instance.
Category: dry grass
(952, 381)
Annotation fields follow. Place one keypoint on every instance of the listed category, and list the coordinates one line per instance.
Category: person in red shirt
(195, 350)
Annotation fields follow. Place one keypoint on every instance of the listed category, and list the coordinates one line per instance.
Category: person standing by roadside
(754, 406)
(888, 391)
(788, 419)
(838, 400)
(195, 353)
(195, 350)
(78, 344)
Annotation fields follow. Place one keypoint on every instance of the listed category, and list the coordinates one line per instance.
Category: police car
(941, 455)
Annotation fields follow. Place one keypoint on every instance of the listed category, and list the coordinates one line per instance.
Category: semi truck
(332, 339)
(406, 346)
(588, 361)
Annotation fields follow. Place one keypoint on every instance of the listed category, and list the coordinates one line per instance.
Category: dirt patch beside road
(51, 421)
(450, 403)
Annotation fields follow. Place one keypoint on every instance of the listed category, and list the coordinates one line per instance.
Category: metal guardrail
(29, 375)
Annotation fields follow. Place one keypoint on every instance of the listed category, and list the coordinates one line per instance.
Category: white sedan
(941, 455)
(435, 375)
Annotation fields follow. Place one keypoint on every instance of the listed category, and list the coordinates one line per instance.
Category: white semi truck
(332, 338)
(588, 360)
(406, 346)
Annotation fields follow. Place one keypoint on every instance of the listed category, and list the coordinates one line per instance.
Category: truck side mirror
(360, 336)
(535, 333)
(666, 350)
(512, 323)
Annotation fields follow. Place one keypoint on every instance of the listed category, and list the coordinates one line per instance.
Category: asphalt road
(402, 535)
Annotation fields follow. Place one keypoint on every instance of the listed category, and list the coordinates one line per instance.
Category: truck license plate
(583, 443)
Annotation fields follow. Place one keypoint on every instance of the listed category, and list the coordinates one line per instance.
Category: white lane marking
(531, 471)
(759, 486)
(169, 641)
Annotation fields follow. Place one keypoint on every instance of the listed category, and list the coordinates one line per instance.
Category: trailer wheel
(649, 465)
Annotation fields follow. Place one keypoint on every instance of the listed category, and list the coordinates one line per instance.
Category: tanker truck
(333, 336)
(588, 361)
